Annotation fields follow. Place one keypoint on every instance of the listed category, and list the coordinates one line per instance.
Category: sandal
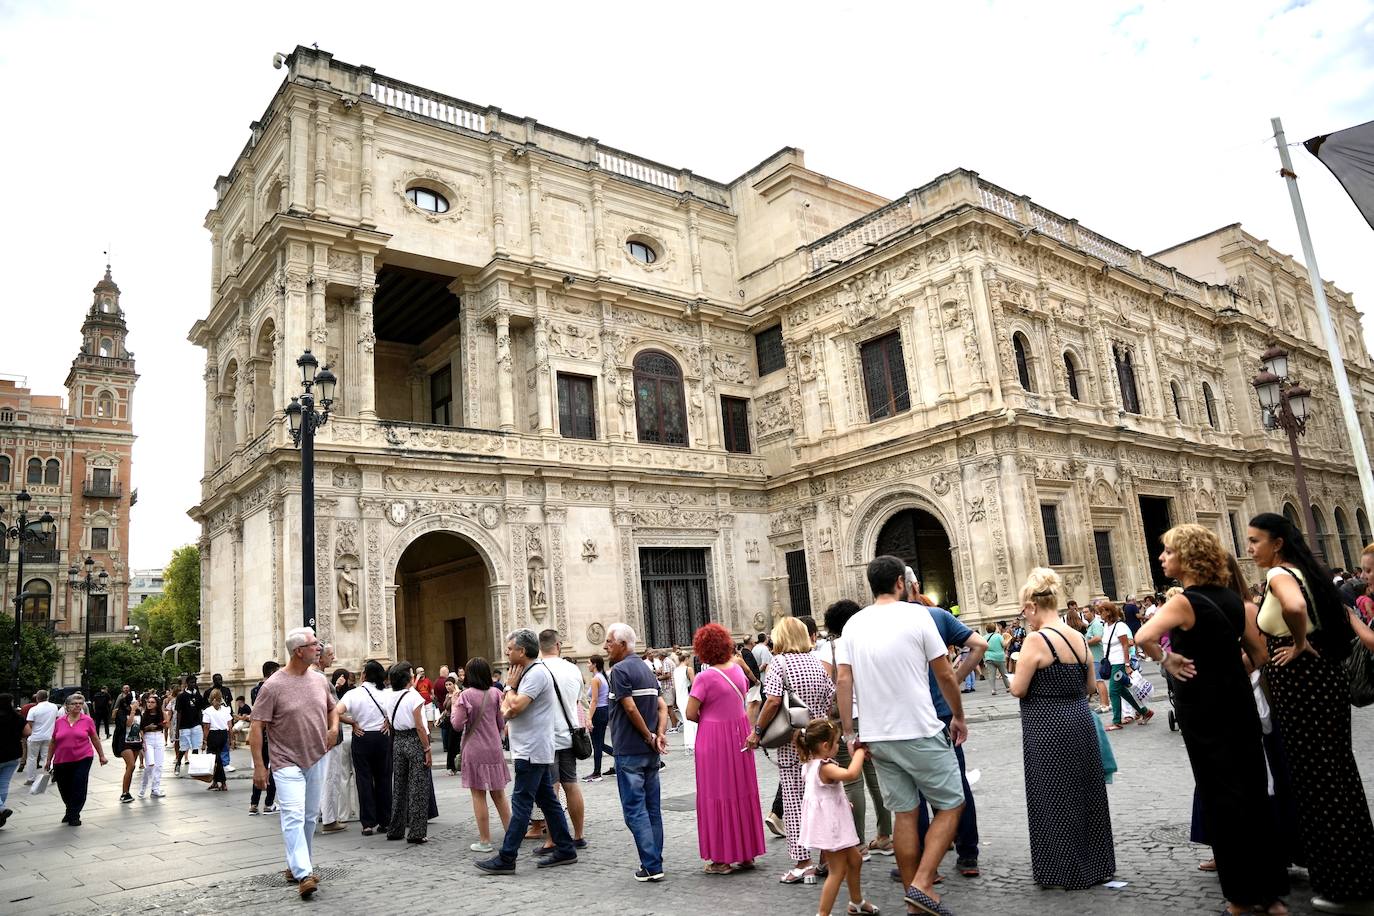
(799, 876)
(1209, 865)
(1114, 727)
(881, 847)
(743, 866)
(717, 868)
(862, 908)
(1146, 716)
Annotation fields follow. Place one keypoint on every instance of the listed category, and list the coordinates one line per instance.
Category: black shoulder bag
(581, 738)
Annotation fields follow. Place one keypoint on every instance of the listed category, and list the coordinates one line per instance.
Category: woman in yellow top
(1308, 632)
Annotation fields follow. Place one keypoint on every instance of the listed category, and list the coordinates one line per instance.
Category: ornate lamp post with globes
(91, 585)
(304, 420)
(1286, 404)
(22, 533)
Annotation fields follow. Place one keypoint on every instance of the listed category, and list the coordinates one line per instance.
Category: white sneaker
(158, 793)
(480, 847)
(231, 769)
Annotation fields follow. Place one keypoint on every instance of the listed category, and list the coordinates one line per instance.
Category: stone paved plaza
(196, 852)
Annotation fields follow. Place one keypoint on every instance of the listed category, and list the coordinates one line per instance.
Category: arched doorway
(917, 537)
(442, 603)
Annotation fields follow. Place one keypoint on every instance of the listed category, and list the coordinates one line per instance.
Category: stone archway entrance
(442, 603)
(917, 537)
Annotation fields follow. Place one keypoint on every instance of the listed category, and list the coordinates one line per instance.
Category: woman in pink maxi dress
(729, 821)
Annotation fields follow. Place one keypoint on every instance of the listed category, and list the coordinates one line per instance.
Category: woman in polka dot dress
(1066, 793)
(1311, 701)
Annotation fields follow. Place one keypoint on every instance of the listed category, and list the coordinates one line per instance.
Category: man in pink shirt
(295, 711)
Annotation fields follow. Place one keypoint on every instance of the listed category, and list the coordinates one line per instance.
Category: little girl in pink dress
(826, 821)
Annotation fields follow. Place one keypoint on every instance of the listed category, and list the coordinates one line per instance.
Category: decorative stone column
(536, 196)
(543, 380)
(505, 393)
(365, 169)
(598, 225)
(236, 659)
(321, 208)
(694, 248)
(367, 341)
(498, 201)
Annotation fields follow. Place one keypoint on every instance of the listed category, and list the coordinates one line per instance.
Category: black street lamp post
(23, 533)
(92, 585)
(304, 420)
(1286, 404)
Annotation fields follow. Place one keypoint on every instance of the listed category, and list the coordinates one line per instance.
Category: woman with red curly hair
(729, 821)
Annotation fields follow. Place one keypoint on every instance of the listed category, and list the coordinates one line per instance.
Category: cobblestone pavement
(197, 852)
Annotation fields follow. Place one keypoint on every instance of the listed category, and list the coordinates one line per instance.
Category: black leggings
(215, 741)
(600, 716)
(271, 780)
(72, 779)
(455, 744)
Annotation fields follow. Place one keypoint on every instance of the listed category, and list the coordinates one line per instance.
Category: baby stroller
(1169, 685)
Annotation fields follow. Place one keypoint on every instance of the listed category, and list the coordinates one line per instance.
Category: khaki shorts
(918, 766)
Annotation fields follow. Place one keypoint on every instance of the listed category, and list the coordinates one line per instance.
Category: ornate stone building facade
(578, 386)
(74, 459)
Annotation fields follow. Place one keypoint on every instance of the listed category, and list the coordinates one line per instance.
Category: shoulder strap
(558, 693)
(373, 697)
(729, 681)
(1049, 645)
(395, 708)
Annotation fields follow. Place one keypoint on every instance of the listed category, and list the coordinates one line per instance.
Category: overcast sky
(1148, 123)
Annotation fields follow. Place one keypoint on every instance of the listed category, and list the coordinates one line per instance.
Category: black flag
(1349, 154)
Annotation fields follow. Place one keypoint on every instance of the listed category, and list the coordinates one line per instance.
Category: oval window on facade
(642, 252)
(429, 200)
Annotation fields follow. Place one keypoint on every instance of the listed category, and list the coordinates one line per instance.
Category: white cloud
(1147, 122)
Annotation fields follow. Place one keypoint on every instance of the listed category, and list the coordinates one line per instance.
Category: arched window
(1291, 514)
(1071, 373)
(1125, 377)
(1320, 536)
(35, 471)
(52, 474)
(106, 347)
(37, 601)
(1211, 405)
(1178, 400)
(660, 410)
(1343, 535)
(4, 469)
(1362, 522)
(104, 405)
(1018, 344)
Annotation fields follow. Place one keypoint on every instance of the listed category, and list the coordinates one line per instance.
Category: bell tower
(100, 385)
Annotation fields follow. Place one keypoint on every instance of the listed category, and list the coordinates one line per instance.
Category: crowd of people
(1258, 684)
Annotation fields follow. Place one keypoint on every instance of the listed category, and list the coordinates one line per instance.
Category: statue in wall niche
(348, 589)
(537, 596)
(589, 553)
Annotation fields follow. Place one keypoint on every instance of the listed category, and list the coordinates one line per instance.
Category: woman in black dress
(1066, 791)
(1208, 627)
(1308, 632)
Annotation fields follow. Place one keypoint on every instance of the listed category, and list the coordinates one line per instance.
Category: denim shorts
(190, 738)
(914, 767)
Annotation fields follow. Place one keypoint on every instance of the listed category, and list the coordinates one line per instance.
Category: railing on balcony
(100, 623)
(639, 169)
(871, 229)
(102, 489)
(42, 556)
(426, 104)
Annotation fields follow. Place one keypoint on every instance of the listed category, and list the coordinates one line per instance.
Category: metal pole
(1333, 344)
(18, 610)
(1291, 427)
(86, 659)
(308, 510)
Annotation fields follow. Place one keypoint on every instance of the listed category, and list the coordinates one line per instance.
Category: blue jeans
(298, 799)
(966, 839)
(6, 772)
(534, 785)
(636, 776)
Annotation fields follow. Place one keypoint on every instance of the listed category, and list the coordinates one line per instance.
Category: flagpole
(1333, 344)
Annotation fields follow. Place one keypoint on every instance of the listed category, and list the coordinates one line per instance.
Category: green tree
(174, 616)
(39, 656)
(117, 662)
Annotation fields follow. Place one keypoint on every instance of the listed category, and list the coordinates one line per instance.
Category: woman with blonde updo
(1066, 792)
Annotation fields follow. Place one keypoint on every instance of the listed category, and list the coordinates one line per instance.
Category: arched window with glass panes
(1125, 377)
(660, 409)
(1071, 375)
(1020, 346)
(52, 473)
(34, 472)
(4, 469)
(1210, 403)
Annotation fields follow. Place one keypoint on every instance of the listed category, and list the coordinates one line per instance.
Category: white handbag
(40, 785)
(200, 763)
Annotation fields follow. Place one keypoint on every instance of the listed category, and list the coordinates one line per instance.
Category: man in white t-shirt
(762, 654)
(888, 651)
(570, 688)
(38, 729)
